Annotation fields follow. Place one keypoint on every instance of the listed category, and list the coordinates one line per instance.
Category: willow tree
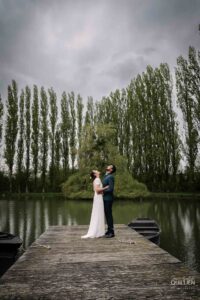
(187, 104)
(65, 129)
(35, 135)
(11, 128)
(44, 133)
(98, 150)
(53, 122)
(27, 134)
(20, 144)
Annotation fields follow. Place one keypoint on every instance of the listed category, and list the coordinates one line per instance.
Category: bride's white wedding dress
(97, 221)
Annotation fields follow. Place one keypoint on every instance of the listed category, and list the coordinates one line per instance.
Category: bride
(97, 222)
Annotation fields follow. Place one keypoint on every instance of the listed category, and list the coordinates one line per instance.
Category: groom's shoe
(110, 235)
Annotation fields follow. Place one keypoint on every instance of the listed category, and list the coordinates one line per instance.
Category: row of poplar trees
(41, 139)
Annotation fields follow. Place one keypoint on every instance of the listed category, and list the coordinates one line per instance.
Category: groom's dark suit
(108, 198)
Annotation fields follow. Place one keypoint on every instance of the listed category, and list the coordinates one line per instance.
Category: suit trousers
(108, 213)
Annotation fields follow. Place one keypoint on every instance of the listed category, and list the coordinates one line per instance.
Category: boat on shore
(148, 228)
(10, 246)
(9, 242)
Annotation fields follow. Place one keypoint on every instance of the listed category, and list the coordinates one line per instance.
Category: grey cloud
(124, 68)
(91, 47)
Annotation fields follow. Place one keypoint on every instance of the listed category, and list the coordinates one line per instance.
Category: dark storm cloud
(91, 47)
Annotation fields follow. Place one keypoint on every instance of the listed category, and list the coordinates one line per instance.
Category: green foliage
(154, 134)
(96, 147)
(97, 151)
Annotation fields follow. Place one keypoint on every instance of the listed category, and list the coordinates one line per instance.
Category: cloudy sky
(91, 46)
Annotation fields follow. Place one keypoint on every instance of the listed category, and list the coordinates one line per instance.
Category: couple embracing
(102, 204)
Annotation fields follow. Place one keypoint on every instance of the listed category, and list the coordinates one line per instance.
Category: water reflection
(179, 220)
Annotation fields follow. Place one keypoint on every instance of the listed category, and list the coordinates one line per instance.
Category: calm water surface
(179, 220)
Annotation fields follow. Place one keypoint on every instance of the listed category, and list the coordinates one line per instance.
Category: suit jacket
(108, 193)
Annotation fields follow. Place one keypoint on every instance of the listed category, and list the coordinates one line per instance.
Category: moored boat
(148, 228)
(9, 242)
(9, 250)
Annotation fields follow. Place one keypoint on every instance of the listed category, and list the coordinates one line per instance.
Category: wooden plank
(125, 267)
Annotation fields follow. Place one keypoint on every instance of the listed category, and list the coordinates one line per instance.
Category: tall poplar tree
(79, 109)
(170, 152)
(44, 132)
(72, 139)
(138, 127)
(154, 147)
(35, 135)
(11, 128)
(194, 67)
(1, 121)
(27, 133)
(65, 127)
(53, 121)
(20, 150)
(90, 113)
(126, 130)
(187, 104)
(58, 148)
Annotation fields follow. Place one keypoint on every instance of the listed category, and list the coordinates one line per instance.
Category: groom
(108, 198)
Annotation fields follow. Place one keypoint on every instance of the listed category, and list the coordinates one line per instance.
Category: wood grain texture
(60, 265)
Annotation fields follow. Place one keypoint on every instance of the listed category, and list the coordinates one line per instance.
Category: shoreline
(150, 195)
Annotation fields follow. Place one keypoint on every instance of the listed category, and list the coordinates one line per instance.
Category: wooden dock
(60, 265)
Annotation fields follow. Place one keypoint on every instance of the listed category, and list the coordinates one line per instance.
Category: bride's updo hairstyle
(92, 175)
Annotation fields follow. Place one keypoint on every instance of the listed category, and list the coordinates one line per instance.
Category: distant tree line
(43, 140)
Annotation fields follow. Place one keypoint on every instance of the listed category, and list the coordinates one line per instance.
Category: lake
(179, 220)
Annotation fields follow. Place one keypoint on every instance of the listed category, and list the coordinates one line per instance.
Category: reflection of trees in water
(29, 218)
(179, 221)
(125, 211)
